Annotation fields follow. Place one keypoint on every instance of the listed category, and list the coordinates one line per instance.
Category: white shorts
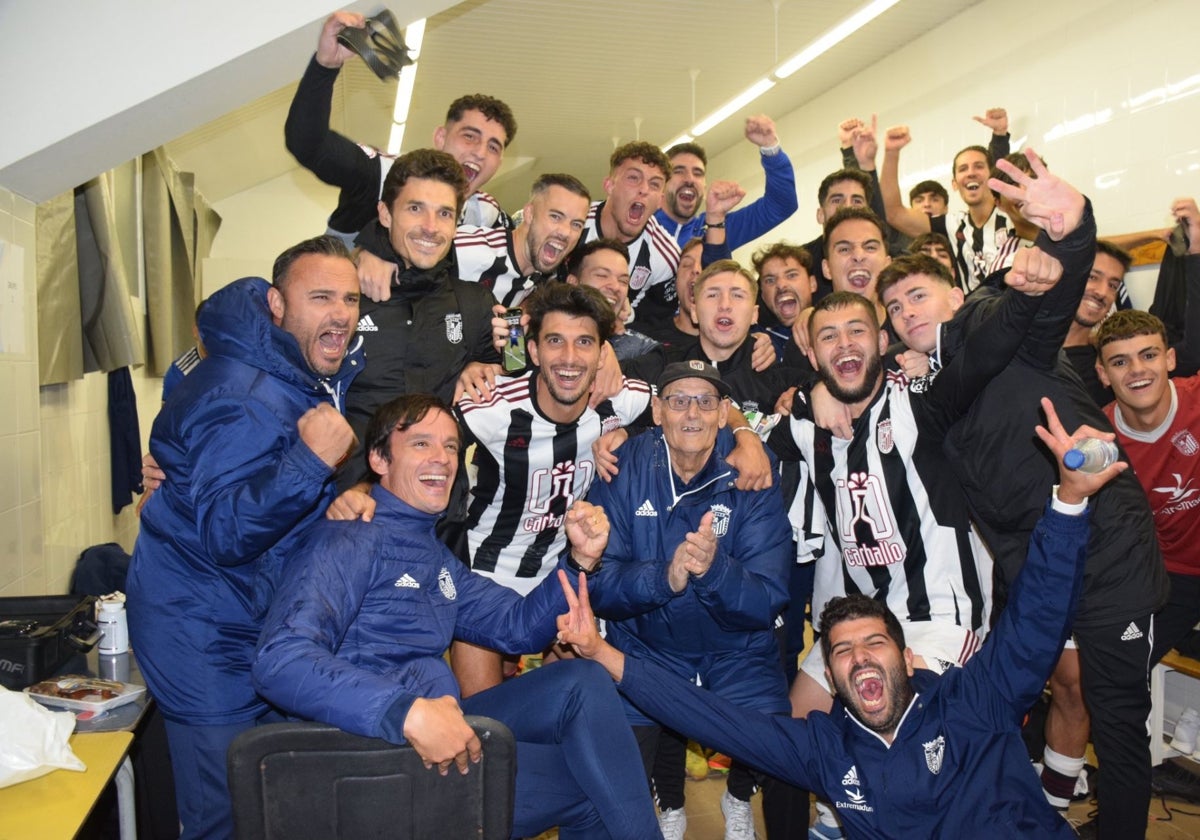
(942, 645)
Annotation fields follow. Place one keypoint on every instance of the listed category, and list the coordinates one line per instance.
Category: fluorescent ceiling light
(414, 35)
(733, 106)
(396, 139)
(682, 138)
(834, 36)
(404, 93)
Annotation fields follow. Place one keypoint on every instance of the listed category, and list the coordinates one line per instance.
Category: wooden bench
(1173, 661)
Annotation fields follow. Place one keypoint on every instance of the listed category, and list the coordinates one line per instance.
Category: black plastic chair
(295, 781)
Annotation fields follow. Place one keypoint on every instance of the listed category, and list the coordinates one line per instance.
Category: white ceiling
(577, 75)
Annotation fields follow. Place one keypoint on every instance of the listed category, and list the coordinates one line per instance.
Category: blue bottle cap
(1073, 459)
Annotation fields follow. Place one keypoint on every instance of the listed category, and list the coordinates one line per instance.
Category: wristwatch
(575, 567)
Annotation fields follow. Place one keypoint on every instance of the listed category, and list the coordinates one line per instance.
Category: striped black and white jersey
(530, 470)
(895, 520)
(481, 210)
(488, 256)
(974, 248)
(653, 261)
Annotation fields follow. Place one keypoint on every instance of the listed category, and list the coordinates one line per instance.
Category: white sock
(825, 815)
(1064, 766)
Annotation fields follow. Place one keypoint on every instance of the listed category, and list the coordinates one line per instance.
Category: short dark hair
(647, 153)
(329, 246)
(582, 252)
(574, 301)
(429, 164)
(851, 608)
(984, 150)
(906, 266)
(401, 413)
(781, 251)
(845, 213)
(929, 186)
(688, 149)
(857, 175)
(726, 267)
(560, 179)
(925, 240)
(690, 244)
(490, 107)
(1129, 323)
(840, 300)
(1112, 249)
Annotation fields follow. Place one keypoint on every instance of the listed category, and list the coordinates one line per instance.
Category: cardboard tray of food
(84, 694)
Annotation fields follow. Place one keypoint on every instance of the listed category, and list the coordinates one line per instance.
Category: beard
(850, 396)
(899, 695)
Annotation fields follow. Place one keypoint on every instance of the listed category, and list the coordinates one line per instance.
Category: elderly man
(696, 571)
(249, 440)
(358, 633)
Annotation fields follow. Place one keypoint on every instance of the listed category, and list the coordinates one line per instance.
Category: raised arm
(997, 120)
(778, 201)
(1068, 235)
(331, 157)
(1011, 669)
(908, 221)
(1185, 212)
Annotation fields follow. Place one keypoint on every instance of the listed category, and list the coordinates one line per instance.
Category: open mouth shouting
(848, 366)
(330, 348)
(859, 279)
(550, 254)
(787, 305)
(868, 684)
(471, 170)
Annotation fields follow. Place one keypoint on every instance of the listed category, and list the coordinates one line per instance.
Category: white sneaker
(1186, 729)
(739, 818)
(672, 823)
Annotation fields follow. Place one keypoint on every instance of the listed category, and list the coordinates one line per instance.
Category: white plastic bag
(33, 739)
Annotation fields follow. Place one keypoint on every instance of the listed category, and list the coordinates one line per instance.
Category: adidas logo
(408, 582)
(1131, 633)
(851, 778)
(646, 509)
(365, 324)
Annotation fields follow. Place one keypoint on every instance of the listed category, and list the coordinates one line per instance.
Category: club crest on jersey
(720, 522)
(1185, 442)
(638, 277)
(934, 750)
(446, 584)
(883, 437)
(454, 329)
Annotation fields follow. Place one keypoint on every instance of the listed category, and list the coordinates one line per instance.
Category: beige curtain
(85, 319)
(178, 230)
(60, 340)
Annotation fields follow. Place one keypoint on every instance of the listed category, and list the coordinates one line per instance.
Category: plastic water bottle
(1091, 455)
(115, 625)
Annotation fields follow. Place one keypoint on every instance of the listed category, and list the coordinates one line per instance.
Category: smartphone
(514, 350)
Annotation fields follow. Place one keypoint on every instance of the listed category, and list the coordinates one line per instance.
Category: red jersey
(1166, 461)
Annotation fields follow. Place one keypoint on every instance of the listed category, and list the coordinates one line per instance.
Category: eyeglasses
(680, 402)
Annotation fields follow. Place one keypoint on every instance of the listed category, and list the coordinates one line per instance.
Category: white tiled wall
(54, 461)
(1051, 65)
